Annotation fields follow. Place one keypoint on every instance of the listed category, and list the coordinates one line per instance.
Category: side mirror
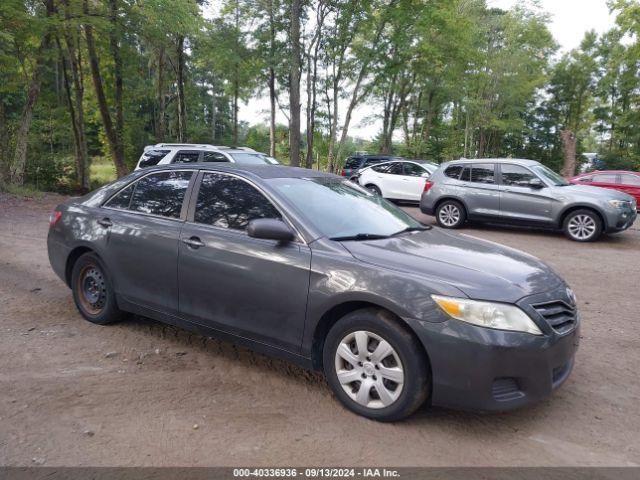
(270, 229)
(536, 183)
(425, 174)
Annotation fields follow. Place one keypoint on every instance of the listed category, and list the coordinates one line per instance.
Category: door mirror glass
(270, 229)
(536, 183)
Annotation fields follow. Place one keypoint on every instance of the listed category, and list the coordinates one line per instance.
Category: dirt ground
(139, 393)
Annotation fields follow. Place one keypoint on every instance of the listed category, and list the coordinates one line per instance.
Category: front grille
(560, 316)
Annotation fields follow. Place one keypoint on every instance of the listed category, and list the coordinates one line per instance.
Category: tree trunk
(182, 109)
(162, 102)
(294, 88)
(110, 132)
(272, 112)
(569, 142)
(272, 81)
(4, 144)
(22, 136)
(117, 73)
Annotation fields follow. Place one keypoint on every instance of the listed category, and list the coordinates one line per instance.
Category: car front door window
(184, 156)
(515, 175)
(228, 202)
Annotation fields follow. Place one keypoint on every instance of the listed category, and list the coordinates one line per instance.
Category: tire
(451, 214)
(404, 361)
(93, 291)
(582, 226)
(373, 189)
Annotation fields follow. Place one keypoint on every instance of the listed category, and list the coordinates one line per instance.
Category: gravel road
(140, 393)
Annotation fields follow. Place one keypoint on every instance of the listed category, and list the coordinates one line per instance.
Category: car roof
(518, 161)
(259, 171)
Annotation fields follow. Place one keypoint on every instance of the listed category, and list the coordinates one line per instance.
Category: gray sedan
(310, 267)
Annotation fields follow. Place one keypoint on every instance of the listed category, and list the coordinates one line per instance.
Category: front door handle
(105, 222)
(193, 242)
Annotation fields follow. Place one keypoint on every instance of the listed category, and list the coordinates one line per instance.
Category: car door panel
(481, 193)
(245, 286)
(142, 242)
(520, 201)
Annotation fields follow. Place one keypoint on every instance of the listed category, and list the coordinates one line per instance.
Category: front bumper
(620, 219)
(481, 369)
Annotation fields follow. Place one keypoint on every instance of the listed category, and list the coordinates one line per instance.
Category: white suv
(166, 153)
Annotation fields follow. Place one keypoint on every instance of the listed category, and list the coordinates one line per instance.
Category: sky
(570, 19)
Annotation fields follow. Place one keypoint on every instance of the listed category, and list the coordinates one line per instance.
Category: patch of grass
(21, 190)
(102, 171)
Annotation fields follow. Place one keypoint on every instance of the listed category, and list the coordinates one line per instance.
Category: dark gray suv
(311, 267)
(523, 192)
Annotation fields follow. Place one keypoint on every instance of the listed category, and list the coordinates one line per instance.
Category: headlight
(487, 314)
(618, 203)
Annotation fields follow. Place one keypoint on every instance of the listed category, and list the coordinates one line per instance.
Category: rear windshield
(152, 157)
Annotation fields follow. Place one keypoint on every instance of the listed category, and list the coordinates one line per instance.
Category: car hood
(481, 269)
(577, 192)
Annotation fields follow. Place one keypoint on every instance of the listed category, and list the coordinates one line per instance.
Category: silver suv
(523, 192)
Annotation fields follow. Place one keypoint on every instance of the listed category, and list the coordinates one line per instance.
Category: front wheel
(375, 367)
(450, 214)
(582, 226)
(92, 291)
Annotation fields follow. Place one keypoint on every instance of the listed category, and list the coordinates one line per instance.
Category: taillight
(427, 185)
(343, 172)
(54, 217)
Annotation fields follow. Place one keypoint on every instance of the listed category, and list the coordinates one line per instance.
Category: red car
(627, 182)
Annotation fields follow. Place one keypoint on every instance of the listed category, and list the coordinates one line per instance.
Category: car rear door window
(226, 201)
(631, 179)
(605, 178)
(214, 157)
(482, 173)
(185, 156)
(122, 199)
(413, 170)
(516, 175)
(395, 168)
(453, 171)
(152, 157)
(161, 193)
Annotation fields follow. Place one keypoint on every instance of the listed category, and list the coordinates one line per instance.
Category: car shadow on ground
(184, 342)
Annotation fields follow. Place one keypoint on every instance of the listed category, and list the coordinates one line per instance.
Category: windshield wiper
(359, 236)
(421, 228)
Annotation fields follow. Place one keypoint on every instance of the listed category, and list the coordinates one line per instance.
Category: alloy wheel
(582, 227)
(369, 369)
(449, 215)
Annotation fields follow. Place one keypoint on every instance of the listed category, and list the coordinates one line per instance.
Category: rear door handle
(193, 242)
(105, 222)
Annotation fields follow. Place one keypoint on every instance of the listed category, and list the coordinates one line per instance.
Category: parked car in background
(397, 180)
(354, 163)
(525, 192)
(167, 153)
(622, 180)
(311, 267)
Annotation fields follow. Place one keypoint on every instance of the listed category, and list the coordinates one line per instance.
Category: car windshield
(340, 209)
(550, 175)
(250, 158)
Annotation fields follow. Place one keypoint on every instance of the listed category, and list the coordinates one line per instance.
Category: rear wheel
(582, 226)
(92, 291)
(375, 367)
(451, 214)
(373, 189)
